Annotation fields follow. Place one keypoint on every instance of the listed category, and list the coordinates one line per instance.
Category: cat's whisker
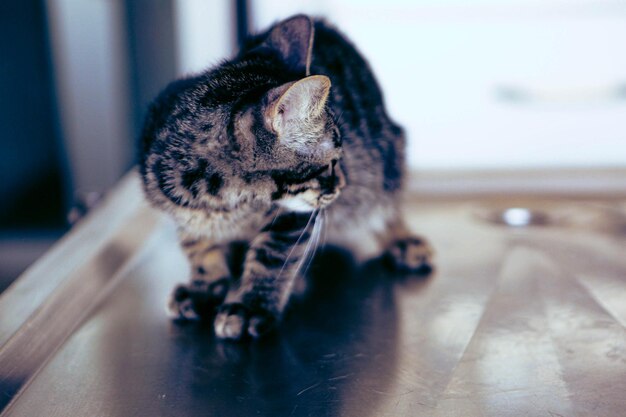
(311, 246)
(279, 211)
(304, 256)
(310, 249)
(325, 229)
(306, 227)
(317, 231)
(339, 119)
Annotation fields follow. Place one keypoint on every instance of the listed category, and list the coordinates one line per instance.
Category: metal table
(524, 315)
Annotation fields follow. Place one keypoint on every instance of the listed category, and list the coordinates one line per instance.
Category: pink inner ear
(293, 105)
(305, 99)
(300, 100)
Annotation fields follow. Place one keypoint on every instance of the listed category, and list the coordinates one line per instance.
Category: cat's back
(358, 92)
(373, 142)
(334, 53)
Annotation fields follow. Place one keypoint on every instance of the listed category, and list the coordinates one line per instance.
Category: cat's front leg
(270, 270)
(210, 279)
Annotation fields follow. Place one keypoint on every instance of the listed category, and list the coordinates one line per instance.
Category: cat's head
(254, 131)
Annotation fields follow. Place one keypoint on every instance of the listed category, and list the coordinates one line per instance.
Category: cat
(284, 145)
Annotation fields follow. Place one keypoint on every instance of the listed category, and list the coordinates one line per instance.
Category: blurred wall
(205, 33)
(90, 52)
(31, 151)
(112, 58)
(33, 174)
(152, 63)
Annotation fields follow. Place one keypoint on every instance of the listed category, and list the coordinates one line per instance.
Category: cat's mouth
(316, 193)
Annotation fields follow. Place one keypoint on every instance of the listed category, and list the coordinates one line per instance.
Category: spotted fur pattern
(285, 147)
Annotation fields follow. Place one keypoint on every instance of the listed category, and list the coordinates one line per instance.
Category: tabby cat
(283, 147)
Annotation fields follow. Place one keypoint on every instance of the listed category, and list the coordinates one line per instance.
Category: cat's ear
(293, 40)
(294, 102)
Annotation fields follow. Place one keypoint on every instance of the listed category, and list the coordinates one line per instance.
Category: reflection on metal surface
(24, 352)
(517, 217)
(514, 322)
(603, 218)
(599, 217)
(85, 242)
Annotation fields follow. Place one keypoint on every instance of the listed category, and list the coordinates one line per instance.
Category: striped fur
(286, 147)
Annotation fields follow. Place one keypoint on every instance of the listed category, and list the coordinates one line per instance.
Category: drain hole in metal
(519, 217)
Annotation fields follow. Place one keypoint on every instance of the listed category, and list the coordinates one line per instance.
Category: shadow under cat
(335, 352)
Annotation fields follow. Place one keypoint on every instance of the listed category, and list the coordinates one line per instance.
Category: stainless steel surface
(515, 321)
(85, 242)
(58, 299)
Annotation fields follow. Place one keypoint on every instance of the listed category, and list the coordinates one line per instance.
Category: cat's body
(256, 150)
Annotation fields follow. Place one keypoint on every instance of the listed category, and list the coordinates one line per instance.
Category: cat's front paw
(236, 322)
(197, 299)
(411, 255)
